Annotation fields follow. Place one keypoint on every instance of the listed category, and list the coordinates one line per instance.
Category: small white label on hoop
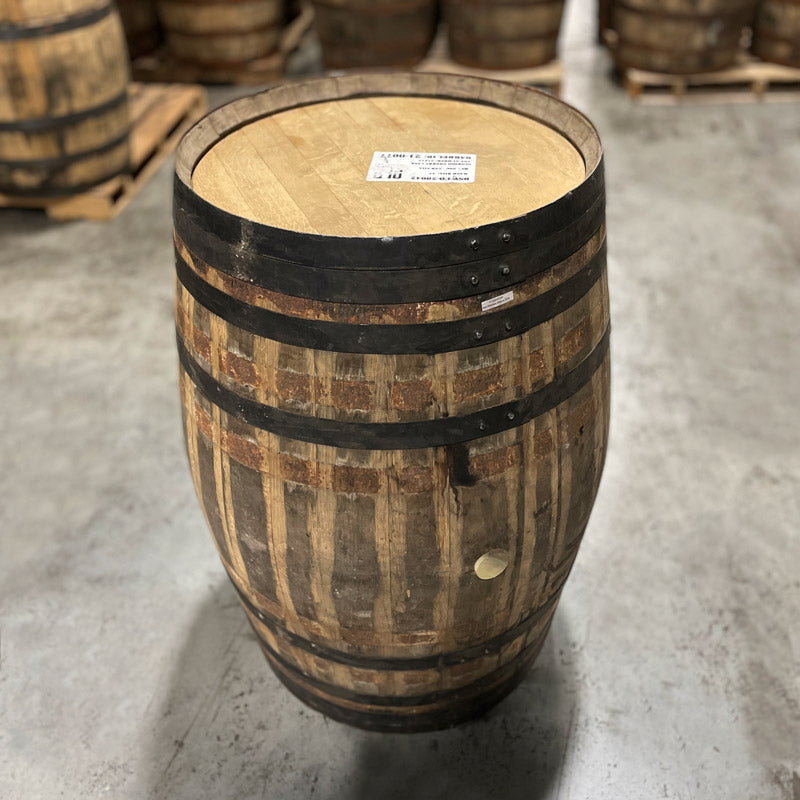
(496, 302)
(423, 167)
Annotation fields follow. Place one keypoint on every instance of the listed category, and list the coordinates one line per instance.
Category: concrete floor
(127, 669)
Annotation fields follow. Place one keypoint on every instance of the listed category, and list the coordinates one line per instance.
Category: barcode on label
(423, 167)
(495, 302)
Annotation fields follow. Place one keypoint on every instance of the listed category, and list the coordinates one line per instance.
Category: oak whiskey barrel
(776, 33)
(222, 33)
(504, 34)
(679, 36)
(372, 33)
(395, 391)
(63, 96)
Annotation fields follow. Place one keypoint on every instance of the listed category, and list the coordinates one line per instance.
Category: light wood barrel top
(305, 169)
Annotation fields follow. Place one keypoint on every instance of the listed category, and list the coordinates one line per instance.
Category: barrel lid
(388, 166)
(260, 253)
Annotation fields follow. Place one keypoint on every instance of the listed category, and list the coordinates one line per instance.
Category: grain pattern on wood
(503, 35)
(373, 33)
(63, 112)
(679, 36)
(370, 574)
(222, 33)
(306, 169)
(776, 32)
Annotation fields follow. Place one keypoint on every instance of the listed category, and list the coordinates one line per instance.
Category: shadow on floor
(225, 728)
(515, 751)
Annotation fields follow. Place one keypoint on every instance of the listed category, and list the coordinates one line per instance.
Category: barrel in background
(679, 36)
(395, 394)
(142, 27)
(222, 33)
(776, 33)
(509, 34)
(63, 97)
(370, 33)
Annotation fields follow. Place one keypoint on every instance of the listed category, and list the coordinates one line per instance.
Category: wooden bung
(63, 96)
(395, 392)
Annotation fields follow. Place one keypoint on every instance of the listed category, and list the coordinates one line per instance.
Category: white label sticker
(423, 167)
(496, 302)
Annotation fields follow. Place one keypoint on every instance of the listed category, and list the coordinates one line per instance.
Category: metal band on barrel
(446, 281)
(13, 31)
(45, 124)
(394, 435)
(426, 338)
(437, 661)
(194, 216)
(56, 162)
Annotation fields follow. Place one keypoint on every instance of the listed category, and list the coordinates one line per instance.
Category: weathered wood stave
(366, 33)
(679, 37)
(776, 32)
(503, 35)
(63, 98)
(420, 662)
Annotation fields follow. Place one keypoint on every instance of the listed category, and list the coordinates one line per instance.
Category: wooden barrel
(63, 96)
(371, 33)
(679, 36)
(395, 379)
(222, 33)
(776, 33)
(142, 28)
(504, 34)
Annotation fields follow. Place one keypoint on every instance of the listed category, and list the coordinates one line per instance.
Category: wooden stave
(776, 32)
(59, 144)
(678, 41)
(216, 428)
(358, 34)
(506, 35)
(222, 33)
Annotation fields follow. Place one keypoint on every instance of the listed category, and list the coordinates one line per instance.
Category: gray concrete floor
(127, 669)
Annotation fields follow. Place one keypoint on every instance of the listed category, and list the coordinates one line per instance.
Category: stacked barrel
(695, 36)
(486, 34)
(222, 33)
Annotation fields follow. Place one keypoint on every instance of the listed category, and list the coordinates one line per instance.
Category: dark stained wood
(142, 27)
(776, 32)
(679, 36)
(63, 106)
(360, 569)
(372, 33)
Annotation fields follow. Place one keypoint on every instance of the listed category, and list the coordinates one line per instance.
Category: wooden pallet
(160, 115)
(548, 76)
(749, 80)
(164, 66)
